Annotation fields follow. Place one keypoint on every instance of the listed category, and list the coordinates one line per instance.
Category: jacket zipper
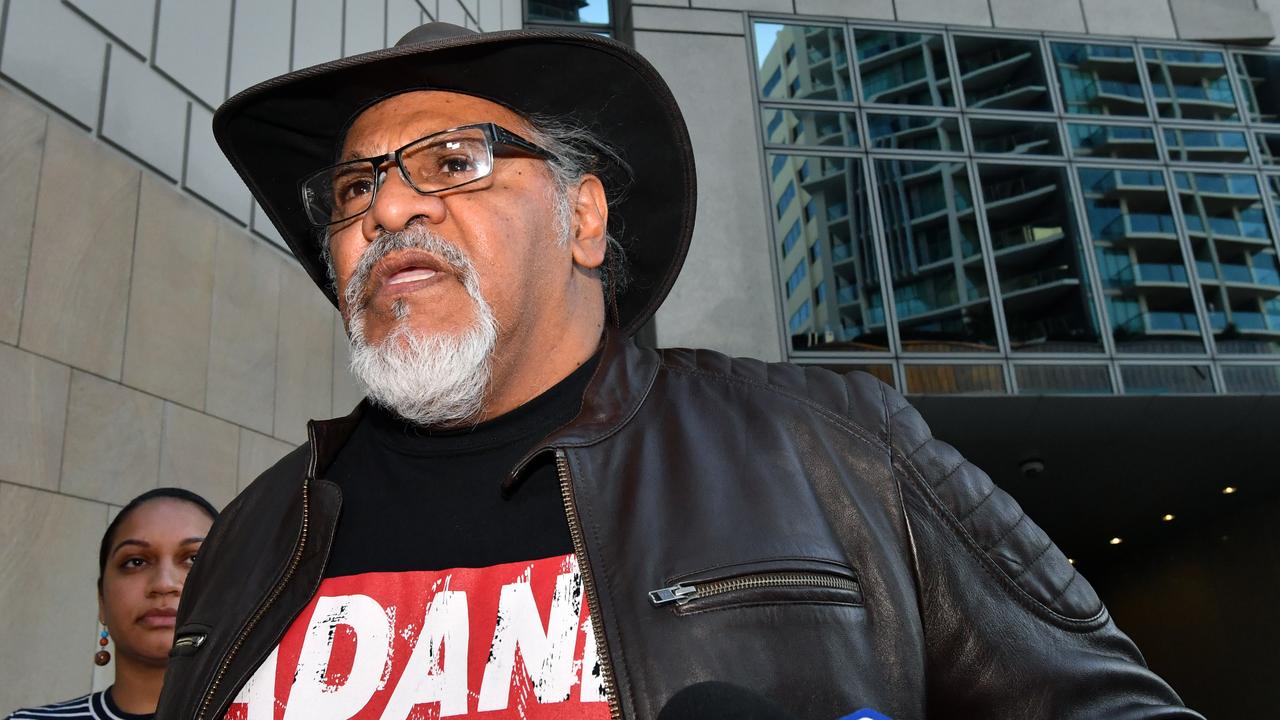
(681, 593)
(275, 591)
(580, 551)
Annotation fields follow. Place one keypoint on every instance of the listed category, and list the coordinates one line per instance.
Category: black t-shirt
(414, 499)
(440, 597)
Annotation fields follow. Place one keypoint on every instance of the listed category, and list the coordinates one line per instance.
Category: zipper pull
(190, 641)
(679, 594)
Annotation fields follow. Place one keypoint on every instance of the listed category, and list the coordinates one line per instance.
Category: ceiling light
(1071, 560)
(1168, 517)
(1116, 541)
(1229, 490)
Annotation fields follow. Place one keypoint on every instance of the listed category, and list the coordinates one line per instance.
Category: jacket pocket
(761, 583)
(189, 640)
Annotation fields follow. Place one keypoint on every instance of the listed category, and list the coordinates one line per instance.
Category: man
(534, 517)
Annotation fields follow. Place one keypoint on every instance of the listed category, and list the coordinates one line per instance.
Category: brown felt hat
(277, 132)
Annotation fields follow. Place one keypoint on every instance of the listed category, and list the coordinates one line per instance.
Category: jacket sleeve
(1011, 628)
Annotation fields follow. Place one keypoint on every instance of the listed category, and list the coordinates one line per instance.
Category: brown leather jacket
(878, 568)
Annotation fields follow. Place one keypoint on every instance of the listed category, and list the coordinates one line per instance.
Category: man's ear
(590, 221)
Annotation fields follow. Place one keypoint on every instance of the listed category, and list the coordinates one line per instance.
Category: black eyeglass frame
(495, 137)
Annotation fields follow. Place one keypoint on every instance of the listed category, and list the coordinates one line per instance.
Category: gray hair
(577, 152)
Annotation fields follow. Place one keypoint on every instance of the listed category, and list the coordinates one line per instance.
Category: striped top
(94, 706)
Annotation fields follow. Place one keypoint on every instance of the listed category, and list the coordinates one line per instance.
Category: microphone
(715, 700)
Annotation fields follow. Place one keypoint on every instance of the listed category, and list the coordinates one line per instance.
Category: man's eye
(349, 188)
(456, 164)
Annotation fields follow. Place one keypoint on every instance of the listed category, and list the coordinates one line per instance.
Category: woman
(142, 564)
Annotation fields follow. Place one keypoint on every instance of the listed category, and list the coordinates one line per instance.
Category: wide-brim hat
(279, 131)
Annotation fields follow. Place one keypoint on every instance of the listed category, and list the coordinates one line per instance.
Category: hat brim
(276, 132)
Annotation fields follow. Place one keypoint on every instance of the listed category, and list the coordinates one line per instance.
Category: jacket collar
(615, 392)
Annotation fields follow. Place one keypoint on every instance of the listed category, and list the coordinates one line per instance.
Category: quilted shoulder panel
(990, 521)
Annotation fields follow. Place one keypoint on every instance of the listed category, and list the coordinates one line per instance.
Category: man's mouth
(405, 271)
(409, 275)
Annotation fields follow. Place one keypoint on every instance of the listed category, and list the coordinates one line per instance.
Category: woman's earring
(102, 657)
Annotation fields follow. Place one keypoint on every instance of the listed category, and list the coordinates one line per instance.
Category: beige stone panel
(951, 12)
(242, 345)
(22, 129)
(347, 391)
(1143, 18)
(855, 9)
(166, 350)
(199, 453)
(691, 21)
(1272, 9)
(112, 449)
(48, 567)
(1221, 21)
(81, 253)
(33, 419)
(257, 453)
(304, 356)
(1054, 15)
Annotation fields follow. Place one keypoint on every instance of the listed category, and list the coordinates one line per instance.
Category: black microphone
(715, 700)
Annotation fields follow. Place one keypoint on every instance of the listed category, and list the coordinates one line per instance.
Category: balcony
(1139, 226)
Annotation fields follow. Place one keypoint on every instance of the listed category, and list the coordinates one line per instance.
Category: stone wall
(145, 340)
(153, 330)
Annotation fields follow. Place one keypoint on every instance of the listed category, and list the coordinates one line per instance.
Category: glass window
(1014, 137)
(883, 373)
(1166, 379)
(1140, 262)
(954, 379)
(836, 228)
(1273, 186)
(809, 62)
(800, 318)
(811, 127)
(1190, 84)
(1002, 73)
(1098, 79)
(1269, 147)
(569, 11)
(793, 235)
(1112, 141)
(1217, 146)
(903, 68)
(797, 276)
(1039, 259)
(1259, 77)
(1252, 379)
(1063, 379)
(914, 132)
(935, 260)
(1235, 259)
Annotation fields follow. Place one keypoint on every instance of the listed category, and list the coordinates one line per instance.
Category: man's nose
(396, 204)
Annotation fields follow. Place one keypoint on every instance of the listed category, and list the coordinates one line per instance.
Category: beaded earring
(102, 657)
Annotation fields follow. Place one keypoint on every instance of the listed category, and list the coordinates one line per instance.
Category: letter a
(548, 656)
(437, 669)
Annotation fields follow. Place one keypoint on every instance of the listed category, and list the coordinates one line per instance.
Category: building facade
(1054, 224)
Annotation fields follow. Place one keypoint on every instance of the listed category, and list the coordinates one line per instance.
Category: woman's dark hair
(146, 497)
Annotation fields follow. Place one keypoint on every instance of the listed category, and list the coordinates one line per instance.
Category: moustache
(416, 237)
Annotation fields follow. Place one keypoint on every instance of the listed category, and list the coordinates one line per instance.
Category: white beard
(432, 379)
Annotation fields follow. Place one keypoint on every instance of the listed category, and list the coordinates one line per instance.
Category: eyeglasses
(435, 163)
